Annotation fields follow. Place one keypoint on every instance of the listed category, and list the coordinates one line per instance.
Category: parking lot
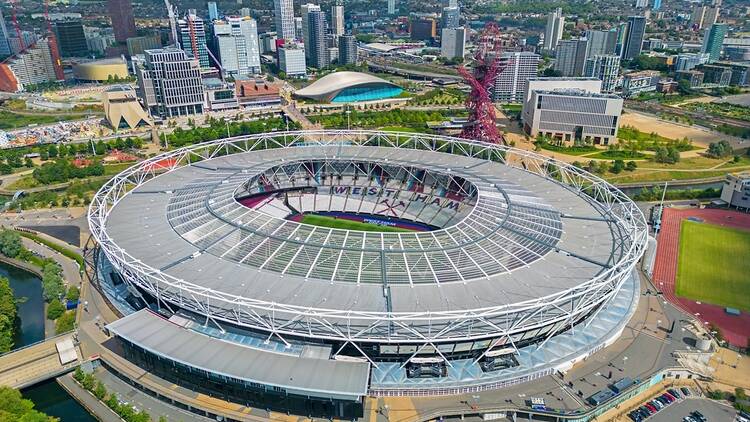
(712, 410)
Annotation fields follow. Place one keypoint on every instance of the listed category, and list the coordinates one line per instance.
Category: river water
(48, 397)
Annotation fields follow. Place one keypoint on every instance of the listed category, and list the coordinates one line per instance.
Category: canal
(48, 397)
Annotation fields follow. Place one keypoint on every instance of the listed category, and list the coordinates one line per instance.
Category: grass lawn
(405, 129)
(340, 223)
(617, 155)
(713, 265)
(10, 120)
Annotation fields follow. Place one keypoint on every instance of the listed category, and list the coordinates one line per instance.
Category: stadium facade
(507, 266)
(347, 87)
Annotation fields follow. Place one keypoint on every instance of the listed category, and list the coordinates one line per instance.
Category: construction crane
(52, 43)
(172, 22)
(14, 19)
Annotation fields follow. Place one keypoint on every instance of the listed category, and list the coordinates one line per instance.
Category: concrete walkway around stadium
(642, 349)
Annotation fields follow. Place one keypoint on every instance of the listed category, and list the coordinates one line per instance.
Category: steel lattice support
(356, 326)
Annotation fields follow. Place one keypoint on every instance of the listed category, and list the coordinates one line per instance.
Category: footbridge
(40, 361)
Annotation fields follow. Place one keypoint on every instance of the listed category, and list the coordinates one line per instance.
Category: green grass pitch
(341, 223)
(714, 265)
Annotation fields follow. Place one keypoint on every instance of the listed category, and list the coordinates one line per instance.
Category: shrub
(55, 310)
(73, 294)
(65, 323)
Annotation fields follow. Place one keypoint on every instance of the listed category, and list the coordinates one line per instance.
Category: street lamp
(348, 122)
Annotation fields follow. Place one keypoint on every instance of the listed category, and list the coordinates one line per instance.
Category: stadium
(308, 270)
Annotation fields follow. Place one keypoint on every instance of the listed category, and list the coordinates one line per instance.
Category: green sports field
(714, 265)
(340, 223)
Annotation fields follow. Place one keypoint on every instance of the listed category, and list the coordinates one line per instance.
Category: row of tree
(124, 410)
(63, 170)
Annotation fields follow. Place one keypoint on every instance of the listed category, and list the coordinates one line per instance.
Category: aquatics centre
(308, 270)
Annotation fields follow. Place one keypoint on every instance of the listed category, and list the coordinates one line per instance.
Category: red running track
(735, 329)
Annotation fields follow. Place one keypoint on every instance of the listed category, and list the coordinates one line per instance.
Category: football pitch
(714, 265)
(342, 223)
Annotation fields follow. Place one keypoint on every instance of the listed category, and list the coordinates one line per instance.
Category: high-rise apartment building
(337, 19)
(657, 5)
(123, 22)
(347, 49)
(284, 19)
(236, 40)
(451, 17)
(422, 28)
(315, 45)
(570, 56)
(634, 33)
(169, 83)
(4, 43)
(391, 7)
(518, 67)
(554, 30)
(713, 41)
(292, 60)
(305, 10)
(71, 39)
(601, 42)
(32, 66)
(193, 37)
(606, 68)
(213, 11)
(453, 42)
(704, 16)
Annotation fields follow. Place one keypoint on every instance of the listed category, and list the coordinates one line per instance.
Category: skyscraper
(704, 16)
(713, 40)
(451, 17)
(123, 22)
(193, 37)
(284, 19)
(32, 66)
(391, 7)
(554, 30)
(571, 56)
(213, 11)
(71, 39)
(453, 42)
(633, 41)
(518, 67)
(347, 49)
(4, 44)
(237, 45)
(305, 10)
(657, 5)
(601, 42)
(169, 83)
(337, 19)
(606, 68)
(315, 45)
(422, 29)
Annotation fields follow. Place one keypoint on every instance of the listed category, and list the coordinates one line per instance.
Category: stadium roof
(327, 87)
(313, 376)
(187, 223)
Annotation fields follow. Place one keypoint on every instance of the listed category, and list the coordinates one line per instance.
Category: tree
(13, 407)
(617, 166)
(52, 283)
(10, 243)
(55, 309)
(65, 323)
(720, 149)
(52, 151)
(28, 163)
(8, 316)
(73, 294)
(100, 391)
(631, 166)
